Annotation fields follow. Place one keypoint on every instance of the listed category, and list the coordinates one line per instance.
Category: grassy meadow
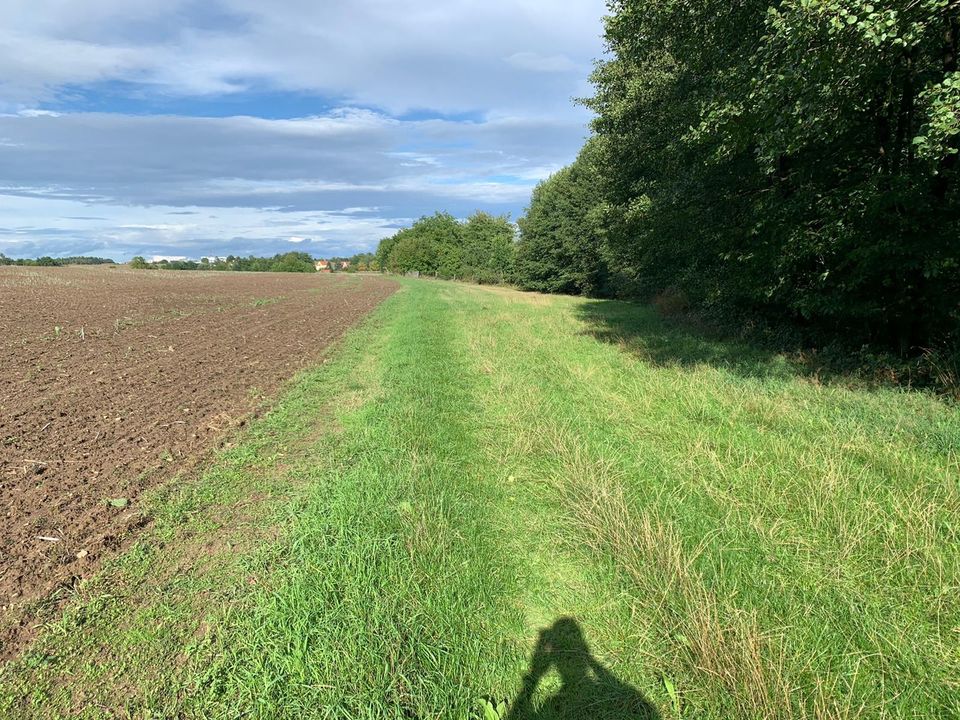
(490, 504)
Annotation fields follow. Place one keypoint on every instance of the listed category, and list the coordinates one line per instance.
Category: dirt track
(111, 379)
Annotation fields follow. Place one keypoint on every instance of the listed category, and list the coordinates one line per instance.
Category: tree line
(792, 162)
(481, 250)
(284, 262)
(47, 261)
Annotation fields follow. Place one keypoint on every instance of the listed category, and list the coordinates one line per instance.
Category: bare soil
(112, 380)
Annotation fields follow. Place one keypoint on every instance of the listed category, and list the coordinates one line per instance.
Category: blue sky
(182, 128)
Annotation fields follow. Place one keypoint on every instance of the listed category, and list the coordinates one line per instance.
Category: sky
(189, 128)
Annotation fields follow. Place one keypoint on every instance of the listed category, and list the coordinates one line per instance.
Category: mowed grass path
(529, 506)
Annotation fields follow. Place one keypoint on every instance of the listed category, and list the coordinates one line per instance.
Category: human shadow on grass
(639, 329)
(588, 689)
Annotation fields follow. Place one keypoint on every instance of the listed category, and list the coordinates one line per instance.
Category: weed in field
(120, 324)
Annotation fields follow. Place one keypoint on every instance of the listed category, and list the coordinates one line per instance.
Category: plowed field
(111, 380)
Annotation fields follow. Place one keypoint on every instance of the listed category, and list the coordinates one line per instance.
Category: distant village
(326, 266)
(285, 262)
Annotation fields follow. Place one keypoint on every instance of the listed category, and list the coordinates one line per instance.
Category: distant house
(344, 264)
(322, 266)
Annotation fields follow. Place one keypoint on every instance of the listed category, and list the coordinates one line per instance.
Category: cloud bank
(189, 128)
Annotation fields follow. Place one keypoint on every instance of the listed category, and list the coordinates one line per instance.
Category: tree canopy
(47, 261)
(562, 241)
(284, 262)
(795, 161)
(481, 249)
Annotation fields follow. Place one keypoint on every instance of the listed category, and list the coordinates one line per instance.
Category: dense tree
(293, 262)
(285, 262)
(487, 248)
(481, 249)
(795, 159)
(363, 262)
(410, 252)
(561, 248)
(47, 261)
(384, 248)
(432, 245)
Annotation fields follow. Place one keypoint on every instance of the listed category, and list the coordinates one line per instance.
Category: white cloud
(33, 112)
(253, 162)
(395, 55)
(39, 226)
(474, 102)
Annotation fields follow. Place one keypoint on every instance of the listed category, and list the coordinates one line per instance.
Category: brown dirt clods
(111, 379)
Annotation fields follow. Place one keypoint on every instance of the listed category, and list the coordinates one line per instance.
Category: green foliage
(293, 262)
(488, 248)
(411, 252)
(561, 244)
(480, 250)
(300, 262)
(384, 249)
(285, 262)
(47, 261)
(789, 162)
(431, 245)
(363, 262)
(939, 133)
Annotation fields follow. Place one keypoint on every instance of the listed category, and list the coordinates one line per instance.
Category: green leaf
(118, 502)
(672, 693)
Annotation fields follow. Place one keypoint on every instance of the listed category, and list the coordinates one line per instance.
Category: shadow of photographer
(588, 690)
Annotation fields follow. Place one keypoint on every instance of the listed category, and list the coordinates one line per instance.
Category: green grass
(264, 301)
(557, 507)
